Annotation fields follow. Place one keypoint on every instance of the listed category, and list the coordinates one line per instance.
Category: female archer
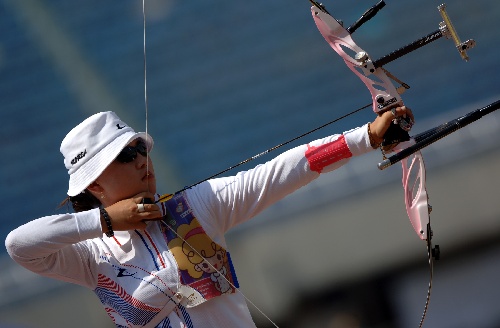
(164, 264)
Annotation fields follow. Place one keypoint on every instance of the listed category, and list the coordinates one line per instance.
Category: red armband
(321, 156)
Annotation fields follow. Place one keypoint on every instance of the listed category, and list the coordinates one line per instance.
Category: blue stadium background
(225, 81)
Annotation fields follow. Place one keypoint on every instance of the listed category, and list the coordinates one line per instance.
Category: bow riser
(384, 94)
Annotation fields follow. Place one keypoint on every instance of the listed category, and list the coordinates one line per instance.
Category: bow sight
(446, 29)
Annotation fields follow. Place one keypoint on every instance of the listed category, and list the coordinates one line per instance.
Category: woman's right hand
(125, 214)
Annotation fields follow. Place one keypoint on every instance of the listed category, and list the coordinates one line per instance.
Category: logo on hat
(120, 127)
(79, 157)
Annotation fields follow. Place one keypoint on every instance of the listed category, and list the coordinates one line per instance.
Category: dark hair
(84, 201)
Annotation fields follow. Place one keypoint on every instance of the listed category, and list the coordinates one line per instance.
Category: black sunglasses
(129, 153)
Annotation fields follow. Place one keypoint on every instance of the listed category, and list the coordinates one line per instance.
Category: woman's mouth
(148, 175)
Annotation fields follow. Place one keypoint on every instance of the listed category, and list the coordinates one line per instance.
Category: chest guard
(205, 267)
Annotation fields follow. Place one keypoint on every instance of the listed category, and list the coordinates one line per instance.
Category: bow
(385, 96)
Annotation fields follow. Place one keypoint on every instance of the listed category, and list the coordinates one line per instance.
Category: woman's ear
(95, 189)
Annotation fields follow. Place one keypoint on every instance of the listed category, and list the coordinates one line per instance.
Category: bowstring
(145, 83)
(431, 273)
(147, 167)
(220, 273)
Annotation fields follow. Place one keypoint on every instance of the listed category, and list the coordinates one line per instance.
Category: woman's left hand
(379, 126)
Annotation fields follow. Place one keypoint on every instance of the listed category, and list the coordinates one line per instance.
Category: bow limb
(418, 210)
(384, 94)
(415, 192)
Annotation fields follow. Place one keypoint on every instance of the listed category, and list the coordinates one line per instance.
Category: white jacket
(136, 276)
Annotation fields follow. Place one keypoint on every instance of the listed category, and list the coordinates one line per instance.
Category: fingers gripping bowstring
(147, 158)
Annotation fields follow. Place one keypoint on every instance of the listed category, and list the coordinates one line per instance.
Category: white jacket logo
(79, 157)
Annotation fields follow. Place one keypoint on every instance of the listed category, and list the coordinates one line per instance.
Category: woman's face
(125, 180)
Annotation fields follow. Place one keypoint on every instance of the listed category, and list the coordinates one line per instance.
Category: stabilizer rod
(430, 136)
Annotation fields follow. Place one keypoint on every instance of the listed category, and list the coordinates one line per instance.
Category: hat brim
(92, 169)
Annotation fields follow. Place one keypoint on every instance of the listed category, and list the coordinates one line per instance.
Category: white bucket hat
(92, 145)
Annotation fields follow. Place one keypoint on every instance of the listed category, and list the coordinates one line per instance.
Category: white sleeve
(222, 203)
(53, 246)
